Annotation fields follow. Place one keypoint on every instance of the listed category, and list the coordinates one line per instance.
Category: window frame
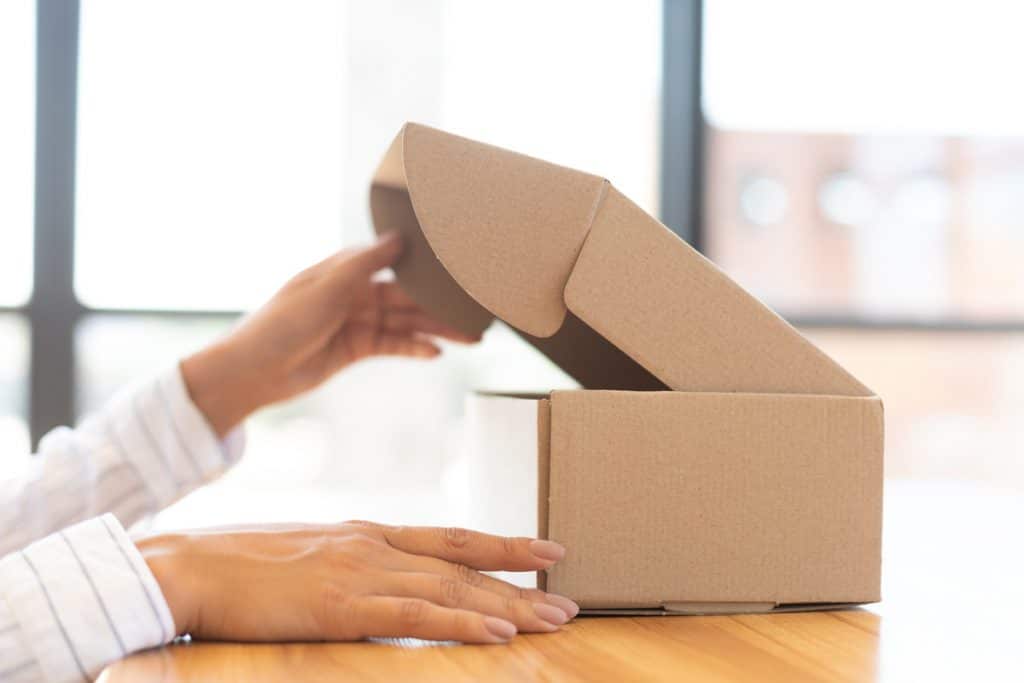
(54, 311)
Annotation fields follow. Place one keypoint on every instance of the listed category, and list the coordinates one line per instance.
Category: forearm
(221, 386)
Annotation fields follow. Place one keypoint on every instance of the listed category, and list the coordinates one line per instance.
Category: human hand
(324, 319)
(352, 581)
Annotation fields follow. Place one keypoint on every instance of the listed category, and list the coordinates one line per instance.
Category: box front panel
(668, 497)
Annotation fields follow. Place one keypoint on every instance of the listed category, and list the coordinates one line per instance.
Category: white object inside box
(501, 468)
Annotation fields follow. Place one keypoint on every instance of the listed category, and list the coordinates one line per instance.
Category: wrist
(214, 379)
(166, 557)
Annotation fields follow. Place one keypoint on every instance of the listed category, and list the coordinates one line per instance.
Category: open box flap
(603, 289)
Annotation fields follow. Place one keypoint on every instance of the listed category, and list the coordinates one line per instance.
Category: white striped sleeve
(76, 601)
(144, 450)
(17, 663)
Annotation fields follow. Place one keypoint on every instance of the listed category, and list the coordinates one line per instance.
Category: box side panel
(653, 296)
(670, 497)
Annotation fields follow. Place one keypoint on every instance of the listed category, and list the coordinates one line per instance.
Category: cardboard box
(715, 460)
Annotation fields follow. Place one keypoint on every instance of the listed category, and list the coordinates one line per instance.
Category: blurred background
(165, 166)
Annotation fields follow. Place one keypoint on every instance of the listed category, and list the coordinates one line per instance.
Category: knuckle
(363, 544)
(358, 524)
(455, 537)
(413, 612)
(460, 622)
(509, 604)
(453, 593)
(522, 594)
(508, 545)
(469, 575)
(351, 552)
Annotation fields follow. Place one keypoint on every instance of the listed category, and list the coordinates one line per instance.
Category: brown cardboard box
(715, 461)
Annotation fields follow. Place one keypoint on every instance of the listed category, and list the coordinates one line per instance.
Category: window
(17, 140)
(250, 163)
(17, 170)
(217, 158)
(867, 180)
(235, 147)
(857, 164)
(838, 160)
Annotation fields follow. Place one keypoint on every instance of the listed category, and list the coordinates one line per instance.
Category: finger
(409, 322)
(382, 617)
(386, 298)
(406, 345)
(391, 295)
(527, 615)
(361, 342)
(460, 572)
(358, 264)
(478, 550)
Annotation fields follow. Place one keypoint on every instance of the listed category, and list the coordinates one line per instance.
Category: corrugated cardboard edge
(543, 476)
(722, 608)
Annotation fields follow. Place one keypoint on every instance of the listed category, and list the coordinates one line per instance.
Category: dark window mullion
(682, 122)
(54, 310)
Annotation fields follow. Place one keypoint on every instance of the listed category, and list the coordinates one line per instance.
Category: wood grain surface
(953, 610)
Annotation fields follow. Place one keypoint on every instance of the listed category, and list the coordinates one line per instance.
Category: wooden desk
(954, 610)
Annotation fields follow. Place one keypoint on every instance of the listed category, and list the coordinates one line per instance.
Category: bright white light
(210, 149)
(14, 440)
(14, 352)
(577, 82)
(17, 148)
(224, 146)
(865, 66)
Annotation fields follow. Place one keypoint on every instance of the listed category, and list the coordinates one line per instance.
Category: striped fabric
(74, 599)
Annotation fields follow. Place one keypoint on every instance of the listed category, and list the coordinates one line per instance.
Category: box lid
(589, 278)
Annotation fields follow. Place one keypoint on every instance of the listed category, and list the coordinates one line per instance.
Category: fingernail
(570, 608)
(547, 550)
(499, 628)
(550, 613)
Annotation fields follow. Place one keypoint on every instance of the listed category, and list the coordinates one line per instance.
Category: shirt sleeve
(144, 450)
(76, 601)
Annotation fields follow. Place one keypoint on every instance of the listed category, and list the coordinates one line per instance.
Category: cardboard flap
(505, 227)
(683, 319)
(586, 276)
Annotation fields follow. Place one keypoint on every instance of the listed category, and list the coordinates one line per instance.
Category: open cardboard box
(715, 460)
